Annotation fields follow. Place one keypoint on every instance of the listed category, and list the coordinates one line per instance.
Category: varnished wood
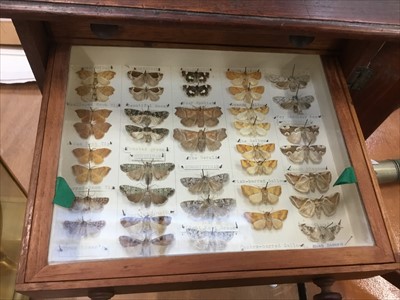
(325, 283)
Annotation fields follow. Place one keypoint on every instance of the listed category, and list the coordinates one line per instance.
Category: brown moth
(153, 94)
(141, 78)
(85, 155)
(263, 167)
(320, 233)
(146, 133)
(209, 240)
(253, 128)
(94, 78)
(305, 153)
(93, 175)
(296, 134)
(205, 184)
(147, 195)
(208, 208)
(93, 115)
(294, 103)
(243, 78)
(90, 93)
(195, 76)
(268, 220)
(200, 116)
(256, 152)
(98, 130)
(146, 117)
(147, 171)
(148, 224)
(197, 90)
(247, 94)
(306, 182)
(291, 82)
(258, 195)
(309, 207)
(200, 140)
(146, 243)
(85, 204)
(83, 228)
(251, 113)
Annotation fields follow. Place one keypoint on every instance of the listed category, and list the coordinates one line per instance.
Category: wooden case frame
(37, 278)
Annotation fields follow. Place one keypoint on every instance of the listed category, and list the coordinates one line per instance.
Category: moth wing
(216, 182)
(160, 171)
(256, 219)
(104, 77)
(100, 115)
(306, 206)
(211, 116)
(250, 166)
(281, 82)
(256, 92)
(322, 181)
(268, 166)
(262, 128)
(163, 240)
(97, 156)
(83, 129)
(154, 93)
(98, 203)
(295, 153)
(84, 114)
(214, 138)
(97, 174)
(138, 93)
(82, 154)
(253, 193)
(81, 173)
(236, 110)
(311, 232)
(196, 208)
(161, 195)
(100, 129)
(188, 116)
(73, 227)
(103, 92)
(127, 241)
(220, 207)
(138, 78)
(263, 151)
(329, 204)
(85, 91)
(238, 92)
(302, 80)
(190, 182)
(134, 194)
(271, 194)
(153, 78)
(277, 217)
(85, 75)
(243, 148)
(292, 133)
(161, 220)
(310, 133)
(301, 182)
(134, 171)
(316, 152)
(232, 75)
(189, 139)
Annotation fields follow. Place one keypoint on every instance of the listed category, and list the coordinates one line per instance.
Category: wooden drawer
(363, 248)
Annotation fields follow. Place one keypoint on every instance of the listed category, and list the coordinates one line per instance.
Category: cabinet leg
(101, 294)
(325, 283)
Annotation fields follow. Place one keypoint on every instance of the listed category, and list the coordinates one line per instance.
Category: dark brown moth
(163, 240)
(146, 117)
(195, 76)
(205, 184)
(147, 196)
(148, 224)
(200, 116)
(90, 93)
(94, 78)
(93, 115)
(306, 182)
(147, 134)
(308, 207)
(140, 94)
(87, 203)
(197, 90)
(147, 171)
(305, 153)
(296, 134)
(200, 140)
(141, 78)
(294, 103)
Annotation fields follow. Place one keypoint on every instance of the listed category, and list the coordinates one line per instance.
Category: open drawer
(197, 168)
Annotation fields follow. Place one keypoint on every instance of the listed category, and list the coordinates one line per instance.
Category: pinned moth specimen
(205, 184)
(147, 242)
(256, 152)
(247, 94)
(93, 115)
(305, 153)
(146, 117)
(320, 233)
(140, 94)
(269, 220)
(141, 78)
(87, 203)
(87, 155)
(253, 128)
(90, 93)
(146, 133)
(195, 76)
(147, 171)
(292, 82)
(207, 240)
(98, 130)
(148, 223)
(94, 78)
(147, 196)
(93, 175)
(208, 208)
(309, 207)
(243, 78)
(251, 113)
(258, 195)
(200, 116)
(306, 182)
(262, 167)
(83, 228)
(197, 90)
(200, 140)
(296, 134)
(294, 103)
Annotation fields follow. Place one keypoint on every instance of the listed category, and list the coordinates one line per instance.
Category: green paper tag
(64, 195)
(347, 176)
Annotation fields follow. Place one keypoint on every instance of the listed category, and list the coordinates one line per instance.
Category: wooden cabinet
(50, 30)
